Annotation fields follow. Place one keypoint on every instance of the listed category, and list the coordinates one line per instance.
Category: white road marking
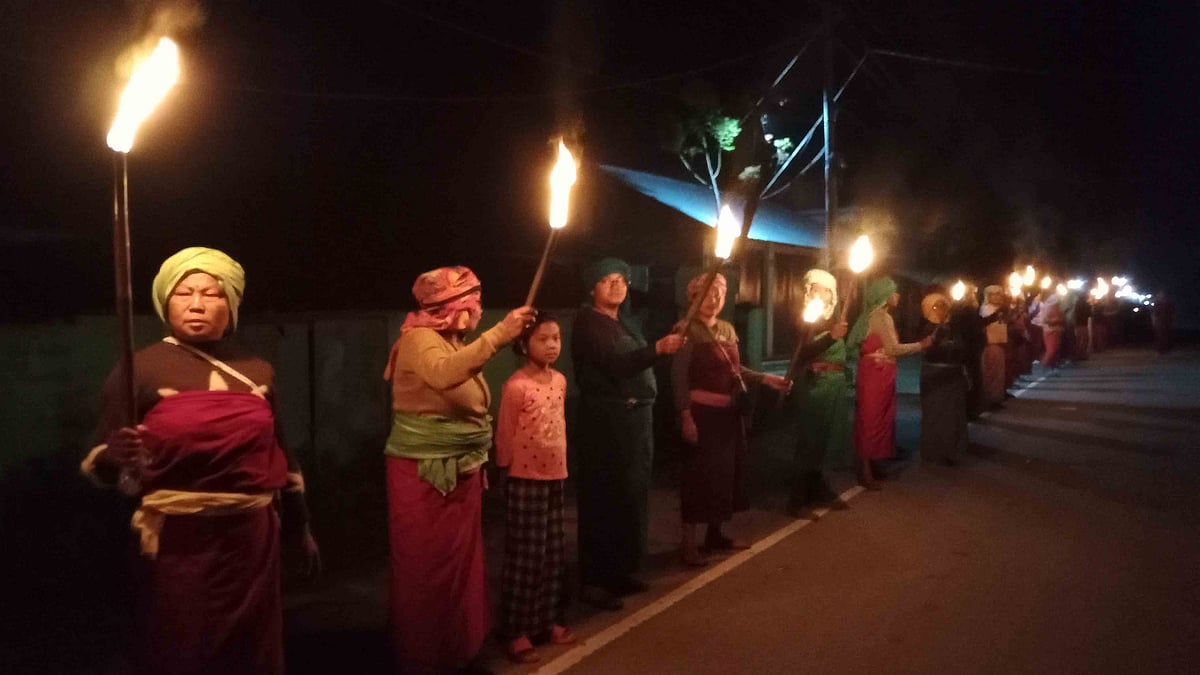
(1033, 384)
(988, 413)
(596, 642)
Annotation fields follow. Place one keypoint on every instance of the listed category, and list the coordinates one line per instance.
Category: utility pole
(828, 115)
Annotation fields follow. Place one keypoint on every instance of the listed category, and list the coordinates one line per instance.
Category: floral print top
(531, 434)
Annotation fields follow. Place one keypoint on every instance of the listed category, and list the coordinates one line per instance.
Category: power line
(959, 63)
(555, 61)
(561, 63)
(481, 98)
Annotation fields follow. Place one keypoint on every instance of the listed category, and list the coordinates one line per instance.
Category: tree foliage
(703, 134)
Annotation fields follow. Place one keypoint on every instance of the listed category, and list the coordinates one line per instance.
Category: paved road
(1067, 541)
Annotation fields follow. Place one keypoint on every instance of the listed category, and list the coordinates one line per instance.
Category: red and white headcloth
(442, 294)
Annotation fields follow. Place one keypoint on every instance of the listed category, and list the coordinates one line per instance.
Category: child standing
(531, 443)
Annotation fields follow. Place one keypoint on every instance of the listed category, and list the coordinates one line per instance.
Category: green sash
(443, 447)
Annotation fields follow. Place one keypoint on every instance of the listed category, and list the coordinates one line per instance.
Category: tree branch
(795, 151)
(691, 171)
(713, 173)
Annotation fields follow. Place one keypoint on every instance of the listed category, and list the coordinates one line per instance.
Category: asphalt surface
(1066, 541)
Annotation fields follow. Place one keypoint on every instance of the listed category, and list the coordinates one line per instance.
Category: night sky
(338, 149)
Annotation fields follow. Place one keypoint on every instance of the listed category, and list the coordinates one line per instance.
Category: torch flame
(1030, 275)
(151, 81)
(1046, 281)
(561, 180)
(1101, 289)
(1015, 280)
(861, 254)
(1061, 290)
(1015, 291)
(727, 232)
(958, 291)
(814, 310)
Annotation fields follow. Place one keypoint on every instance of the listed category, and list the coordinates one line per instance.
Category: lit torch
(1014, 285)
(728, 231)
(862, 254)
(561, 180)
(147, 87)
(958, 291)
(813, 311)
(1030, 276)
(1101, 289)
(1046, 283)
(1061, 290)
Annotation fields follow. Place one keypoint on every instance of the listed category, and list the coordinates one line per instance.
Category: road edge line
(1033, 384)
(593, 644)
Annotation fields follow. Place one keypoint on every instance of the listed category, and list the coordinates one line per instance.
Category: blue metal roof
(771, 223)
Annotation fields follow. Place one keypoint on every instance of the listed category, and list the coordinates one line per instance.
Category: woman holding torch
(1053, 321)
(943, 383)
(206, 454)
(875, 340)
(708, 381)
(616, 439)
(441, 434)
(992, 366)
(823, 401)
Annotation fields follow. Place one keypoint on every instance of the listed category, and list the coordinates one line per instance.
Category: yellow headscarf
(200, 259)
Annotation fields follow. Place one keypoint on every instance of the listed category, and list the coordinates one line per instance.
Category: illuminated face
(713, 304)
(545, 344)
(610, 291)
(816, 290)
(996, 299)
(197, 310)
(468, 319)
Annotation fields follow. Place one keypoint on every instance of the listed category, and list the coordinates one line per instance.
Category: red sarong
(210, 600)
(1053, 343)
(875, 403)
(439, 614)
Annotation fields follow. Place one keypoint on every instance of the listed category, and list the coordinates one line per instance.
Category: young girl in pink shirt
(531, 445)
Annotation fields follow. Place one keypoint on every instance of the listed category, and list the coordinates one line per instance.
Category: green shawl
(875, 296)
(443, 447)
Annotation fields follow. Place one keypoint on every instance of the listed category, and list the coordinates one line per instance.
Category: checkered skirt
(533, 580)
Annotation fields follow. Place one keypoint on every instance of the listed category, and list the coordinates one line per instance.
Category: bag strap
(216, 363)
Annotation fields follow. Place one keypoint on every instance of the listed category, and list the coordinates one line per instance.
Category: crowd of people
(218, 491)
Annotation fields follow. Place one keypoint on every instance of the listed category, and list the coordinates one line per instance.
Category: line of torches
(154, 77)
(1018, 282)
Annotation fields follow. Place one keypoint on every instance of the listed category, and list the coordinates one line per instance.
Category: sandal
(561, 635)
(522, 651)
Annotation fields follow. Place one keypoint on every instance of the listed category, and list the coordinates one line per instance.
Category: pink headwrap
(697, 284)
(442, 294)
